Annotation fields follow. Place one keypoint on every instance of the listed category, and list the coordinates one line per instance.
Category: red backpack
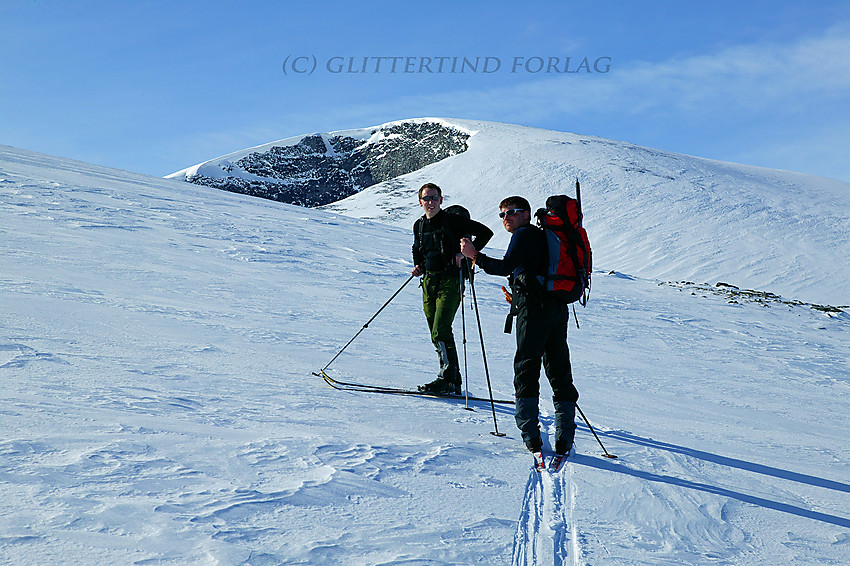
(568, 272)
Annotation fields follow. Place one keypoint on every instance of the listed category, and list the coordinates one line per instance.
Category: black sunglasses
(430, 198)
(510, 212)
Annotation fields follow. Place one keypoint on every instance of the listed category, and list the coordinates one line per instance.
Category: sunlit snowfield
(158, 405)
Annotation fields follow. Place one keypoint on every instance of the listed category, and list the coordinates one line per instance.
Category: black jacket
(526, 254)
(436, 241)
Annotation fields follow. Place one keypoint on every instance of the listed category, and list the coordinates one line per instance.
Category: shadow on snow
(620, 467)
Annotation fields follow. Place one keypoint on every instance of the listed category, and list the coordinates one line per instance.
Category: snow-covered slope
(651, 213)
(158, 406)
(648, 212)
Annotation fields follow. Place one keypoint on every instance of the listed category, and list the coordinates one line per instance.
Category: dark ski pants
(440, 300)
(541, 336)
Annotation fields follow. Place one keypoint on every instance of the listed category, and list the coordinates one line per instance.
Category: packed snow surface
(158, 404)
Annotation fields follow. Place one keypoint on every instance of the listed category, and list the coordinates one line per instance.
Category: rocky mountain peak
(323, 168)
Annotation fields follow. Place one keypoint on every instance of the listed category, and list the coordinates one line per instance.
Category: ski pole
(463, 322)
(374, 316)
(607, 455)
(484, 355)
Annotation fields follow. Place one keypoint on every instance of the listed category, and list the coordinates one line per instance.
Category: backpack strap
(444, 230)
(447, 234)
(421, 225)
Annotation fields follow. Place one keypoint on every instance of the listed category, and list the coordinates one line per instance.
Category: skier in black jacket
(436, 256)
(541, 327)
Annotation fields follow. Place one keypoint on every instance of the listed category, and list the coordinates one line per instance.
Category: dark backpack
(569, 267)
(447, 235)
(458, 210)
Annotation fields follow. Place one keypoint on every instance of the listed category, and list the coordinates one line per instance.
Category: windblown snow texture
(157, 401)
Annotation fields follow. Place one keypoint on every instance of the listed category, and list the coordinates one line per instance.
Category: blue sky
(156, 86)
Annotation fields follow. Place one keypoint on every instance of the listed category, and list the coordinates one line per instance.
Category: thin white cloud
(750, 77)
(755, 82)
(747, 88)
(747, 76)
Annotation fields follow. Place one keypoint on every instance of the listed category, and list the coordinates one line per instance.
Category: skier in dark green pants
(437, 257)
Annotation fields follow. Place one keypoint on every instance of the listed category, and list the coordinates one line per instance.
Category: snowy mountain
(158, 403)
(320, 169)
(651, 213)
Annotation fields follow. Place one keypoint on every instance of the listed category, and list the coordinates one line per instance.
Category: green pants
(440, 300)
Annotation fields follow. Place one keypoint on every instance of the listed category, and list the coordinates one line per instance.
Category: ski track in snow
(668, 512)
(546, 530)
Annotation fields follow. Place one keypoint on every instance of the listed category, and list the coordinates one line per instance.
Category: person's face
(513, 218)
(430, 202)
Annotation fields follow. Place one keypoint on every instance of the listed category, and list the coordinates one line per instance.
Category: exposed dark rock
(736, 295)
(314, 172)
